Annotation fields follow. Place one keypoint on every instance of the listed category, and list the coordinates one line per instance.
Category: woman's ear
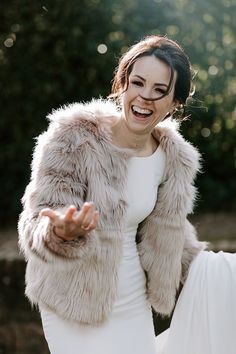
(175, 105)
(173, 109)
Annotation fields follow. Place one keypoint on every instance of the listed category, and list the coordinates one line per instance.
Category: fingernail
(84, 227)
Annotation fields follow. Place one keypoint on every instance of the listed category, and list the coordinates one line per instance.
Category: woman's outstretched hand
(73, 223)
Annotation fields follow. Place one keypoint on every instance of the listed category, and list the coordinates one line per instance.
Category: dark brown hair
(164, 49)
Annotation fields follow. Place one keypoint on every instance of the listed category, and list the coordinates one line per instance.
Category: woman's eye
(137, 83)
(161, 91)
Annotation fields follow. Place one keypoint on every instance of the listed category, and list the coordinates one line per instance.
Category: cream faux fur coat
(74, 161)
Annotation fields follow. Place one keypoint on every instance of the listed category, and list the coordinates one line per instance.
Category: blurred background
(57, 52)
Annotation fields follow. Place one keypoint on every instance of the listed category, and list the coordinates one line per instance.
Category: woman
(104, 226)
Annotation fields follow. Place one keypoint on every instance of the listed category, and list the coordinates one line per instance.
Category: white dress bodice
(144, 177)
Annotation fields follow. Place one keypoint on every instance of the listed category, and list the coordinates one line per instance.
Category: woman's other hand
(73, 223)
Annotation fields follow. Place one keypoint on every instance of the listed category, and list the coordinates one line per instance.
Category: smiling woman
(140, 102)
(104, 226)
(141, 109)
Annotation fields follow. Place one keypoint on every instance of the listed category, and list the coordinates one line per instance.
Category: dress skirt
(204, 320)
(132, 335)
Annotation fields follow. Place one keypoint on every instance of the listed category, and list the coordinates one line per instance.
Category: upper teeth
(141, 110)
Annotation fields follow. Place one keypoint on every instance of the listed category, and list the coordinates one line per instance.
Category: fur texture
(74, 161)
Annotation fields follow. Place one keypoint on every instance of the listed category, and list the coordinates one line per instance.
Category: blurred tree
(54, 52)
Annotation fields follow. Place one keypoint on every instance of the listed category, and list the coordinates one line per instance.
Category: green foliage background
(49, 56)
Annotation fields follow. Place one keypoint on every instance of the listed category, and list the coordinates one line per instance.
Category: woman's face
(149, 78)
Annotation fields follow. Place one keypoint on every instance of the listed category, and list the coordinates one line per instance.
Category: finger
(84, 212)
(49, 213)
(96, 217)
(69, 213)
(87, 206)
(89, 215)
(93, 223)
(95, 220)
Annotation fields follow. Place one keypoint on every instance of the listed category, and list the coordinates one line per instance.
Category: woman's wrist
(57, 234)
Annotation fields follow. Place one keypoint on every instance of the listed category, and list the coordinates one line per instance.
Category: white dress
(129, 329)
(204, 320)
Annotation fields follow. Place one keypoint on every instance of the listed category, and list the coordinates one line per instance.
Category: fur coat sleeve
(57, 181)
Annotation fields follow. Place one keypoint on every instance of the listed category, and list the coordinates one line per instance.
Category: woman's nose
(142, 98)
(145, 94)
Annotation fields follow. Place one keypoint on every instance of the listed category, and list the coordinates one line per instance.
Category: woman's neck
(142, 143)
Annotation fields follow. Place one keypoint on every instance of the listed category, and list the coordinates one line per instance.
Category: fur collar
(93, 120)
(101, 114)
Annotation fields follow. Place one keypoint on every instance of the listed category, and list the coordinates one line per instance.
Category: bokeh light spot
(209, 99)
(205, 132)
(172, 30)
(202, 74)
(229, 123)
(8, 42)
(229, 64)
(116, 36)
(102, 48)
(218, 98)
(12, 36)
(216, 127)
(213, 70)
(116, 19)
(227, 39)
(207, 18)
(15, 27)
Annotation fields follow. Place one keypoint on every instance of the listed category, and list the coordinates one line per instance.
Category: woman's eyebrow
(156, 84)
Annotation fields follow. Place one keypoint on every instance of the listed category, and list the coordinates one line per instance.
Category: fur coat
(75, 161)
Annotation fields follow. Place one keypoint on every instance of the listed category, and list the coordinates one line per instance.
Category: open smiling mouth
(141, 112)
